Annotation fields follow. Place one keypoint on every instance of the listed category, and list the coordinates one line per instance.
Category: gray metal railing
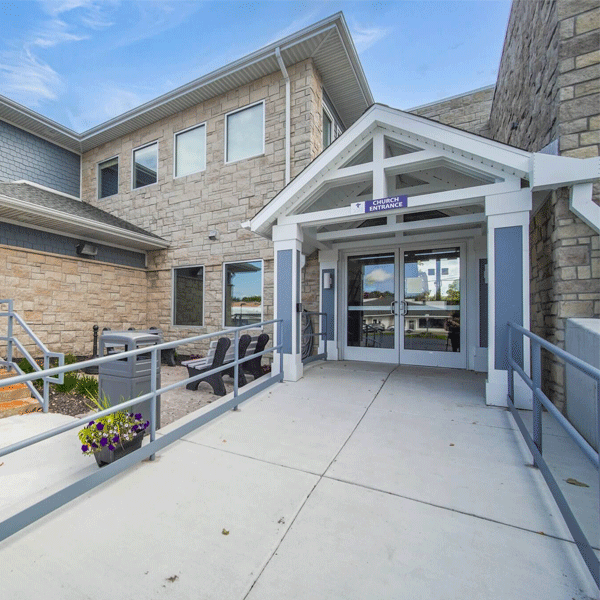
(27, 516)
(321, 334)
(12, 342)
(535, 444)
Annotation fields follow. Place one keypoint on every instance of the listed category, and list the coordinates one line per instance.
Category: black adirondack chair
(243, 344)
(253, 366)
(216, 379)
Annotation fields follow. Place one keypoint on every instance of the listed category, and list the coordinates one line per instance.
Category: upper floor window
(245, 133)
(327, 129)
(108, 177)
(145, 165)
(190, 151)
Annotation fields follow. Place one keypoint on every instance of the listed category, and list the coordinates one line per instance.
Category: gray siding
(284, 297)
(26, 156)
(23, 237)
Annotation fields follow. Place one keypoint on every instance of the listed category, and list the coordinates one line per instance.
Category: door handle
(393, 307)
(403, 308)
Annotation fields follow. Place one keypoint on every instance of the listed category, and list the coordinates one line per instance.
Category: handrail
(535, 444)
(12, 342)
(320, 334)
(28, 516)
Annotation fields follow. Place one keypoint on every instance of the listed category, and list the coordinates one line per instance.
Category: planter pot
(106, 456)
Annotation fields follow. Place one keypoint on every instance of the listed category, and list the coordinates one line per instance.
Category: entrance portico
(422, 237)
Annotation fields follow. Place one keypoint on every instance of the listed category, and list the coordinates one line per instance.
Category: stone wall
(66, 297)
(470, 111)
(220, 198)
(526, 100)
(549, 89)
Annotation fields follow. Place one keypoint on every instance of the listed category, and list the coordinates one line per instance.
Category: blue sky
(81, 62)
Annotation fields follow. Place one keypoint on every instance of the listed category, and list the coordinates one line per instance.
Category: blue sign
(370, 206)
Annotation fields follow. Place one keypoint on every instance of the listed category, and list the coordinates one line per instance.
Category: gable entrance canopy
(382, 205)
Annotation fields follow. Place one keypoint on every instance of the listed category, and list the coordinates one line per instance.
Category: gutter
(151, 243)
(288, 101)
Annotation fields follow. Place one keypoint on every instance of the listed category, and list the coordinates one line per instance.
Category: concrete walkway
(360, 481)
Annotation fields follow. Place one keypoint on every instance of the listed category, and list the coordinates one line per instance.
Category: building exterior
(151, 218)
(183, 171)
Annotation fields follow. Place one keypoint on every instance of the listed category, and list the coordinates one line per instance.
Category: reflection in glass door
(371, 302)
(432, 327)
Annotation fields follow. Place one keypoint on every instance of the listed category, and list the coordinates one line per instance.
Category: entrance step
(16, 399)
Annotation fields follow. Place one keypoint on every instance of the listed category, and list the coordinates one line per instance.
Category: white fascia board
(496, 152)
(99, 228)
(551, 172)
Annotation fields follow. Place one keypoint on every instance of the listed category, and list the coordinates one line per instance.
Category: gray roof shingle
(70, 206)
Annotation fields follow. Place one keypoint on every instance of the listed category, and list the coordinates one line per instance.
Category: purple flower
(84, 448)
(111, 447)
(100, 426)
(146, 424)
(103, 442)
(134, 428)
(116, 438)
(94, 445)
(90, 423)
(138, 415)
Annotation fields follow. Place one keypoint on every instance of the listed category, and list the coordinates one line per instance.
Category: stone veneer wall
(183, 210)
(67, 296)
(549, 89)
(470, 111)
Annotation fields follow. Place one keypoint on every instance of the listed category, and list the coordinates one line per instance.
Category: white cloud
(27, 79)
(53, 33)
(107, 103)
(365, 37)
(378, 276)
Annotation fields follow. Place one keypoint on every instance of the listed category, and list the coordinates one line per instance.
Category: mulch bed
(71, 404)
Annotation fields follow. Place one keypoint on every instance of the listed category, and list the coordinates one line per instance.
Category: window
(190, 151)
(245, 133)
(108, 177)
(145, 165)
(243, 293)
(188, 301)
(327, 130)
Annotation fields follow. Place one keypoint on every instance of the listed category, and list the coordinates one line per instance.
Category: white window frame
(262, 287)
(133, 151)
(175, 176)
(98, 176)
(173, 296)
(333, 126)
(237, 110)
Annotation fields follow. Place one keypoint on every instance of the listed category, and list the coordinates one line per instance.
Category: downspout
(286, 77)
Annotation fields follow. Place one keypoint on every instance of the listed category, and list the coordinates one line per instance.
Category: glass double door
(405, 306)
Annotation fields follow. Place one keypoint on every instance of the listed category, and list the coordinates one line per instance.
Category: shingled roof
(32, 205)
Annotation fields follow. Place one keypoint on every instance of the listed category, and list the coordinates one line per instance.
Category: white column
(329, 299)
(507, 220)
(287, 241)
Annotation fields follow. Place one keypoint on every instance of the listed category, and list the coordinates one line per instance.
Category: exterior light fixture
(86, 249)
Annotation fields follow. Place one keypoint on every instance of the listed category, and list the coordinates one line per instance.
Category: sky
(82, 62)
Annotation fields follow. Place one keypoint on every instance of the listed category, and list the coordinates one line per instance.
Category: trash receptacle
(127, 378)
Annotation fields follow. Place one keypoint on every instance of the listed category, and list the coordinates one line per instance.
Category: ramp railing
(535, 443)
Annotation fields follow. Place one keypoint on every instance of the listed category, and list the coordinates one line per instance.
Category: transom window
(245, 134)
(188, 301)
(243, 293)
(145, 165)
(108, 177)
(190, 151)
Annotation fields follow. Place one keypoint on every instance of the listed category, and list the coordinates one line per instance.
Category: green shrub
(26, 367)
(69, 383)
(70, 359)
(87, 386)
